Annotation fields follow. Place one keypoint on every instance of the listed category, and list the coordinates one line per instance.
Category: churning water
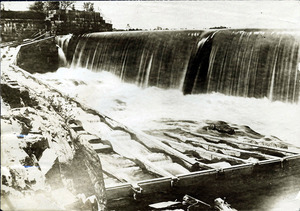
(243, 77)
(155, 81)
(150, 108)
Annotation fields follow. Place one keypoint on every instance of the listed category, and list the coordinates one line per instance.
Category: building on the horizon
(20, 25)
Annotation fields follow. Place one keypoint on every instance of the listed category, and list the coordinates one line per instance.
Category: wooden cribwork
(140, 167)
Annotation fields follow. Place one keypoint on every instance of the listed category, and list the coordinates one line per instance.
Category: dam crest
(246, 63)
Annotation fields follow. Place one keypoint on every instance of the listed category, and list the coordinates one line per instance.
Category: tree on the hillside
(37, 6)
(52, 5)
(42, 6)
(88, 6)
(67, 4)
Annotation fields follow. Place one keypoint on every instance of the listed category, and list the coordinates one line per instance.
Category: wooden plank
(231, 140)
(255, 154)
(128, 152)
(154, 144)
(142, 138)
(202, 152)
(203, 178)
(291, 162)
(196, 178)
(113, 175)
(156, 185)
(119, 191)
(101, 148)
(192, 178)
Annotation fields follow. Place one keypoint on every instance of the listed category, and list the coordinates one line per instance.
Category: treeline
(44, 6)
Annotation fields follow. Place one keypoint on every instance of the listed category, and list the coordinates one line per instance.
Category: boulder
(220, 126)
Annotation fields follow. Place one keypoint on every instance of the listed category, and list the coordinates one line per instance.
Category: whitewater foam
(148, 108)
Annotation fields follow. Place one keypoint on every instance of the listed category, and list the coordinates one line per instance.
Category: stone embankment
(45, 164)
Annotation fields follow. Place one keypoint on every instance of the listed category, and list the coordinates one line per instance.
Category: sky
(193, 14)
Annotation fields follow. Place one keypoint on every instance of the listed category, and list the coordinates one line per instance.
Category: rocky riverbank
(44, 163)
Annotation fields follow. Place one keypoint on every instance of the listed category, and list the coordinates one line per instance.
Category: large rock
(39, 57)
(11, 95)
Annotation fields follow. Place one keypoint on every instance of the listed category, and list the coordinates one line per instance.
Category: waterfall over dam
(247, 63)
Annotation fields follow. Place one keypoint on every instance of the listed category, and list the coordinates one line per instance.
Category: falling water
(247, 63)
(157, 81)
(62, 57)
(144, 58)
(63, 44)
(255, 64)
(259, 67)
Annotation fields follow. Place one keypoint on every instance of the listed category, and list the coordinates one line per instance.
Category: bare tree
(67, 4)
(52, 5)
(88, 6)
(43, 6)
(37, 6)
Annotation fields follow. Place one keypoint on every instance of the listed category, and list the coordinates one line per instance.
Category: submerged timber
(214, 159)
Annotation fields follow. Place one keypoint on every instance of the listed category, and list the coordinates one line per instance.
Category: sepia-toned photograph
(150, 105)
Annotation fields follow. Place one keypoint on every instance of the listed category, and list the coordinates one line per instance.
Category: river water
(150, 109)
(243, 78)
(154, 108)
